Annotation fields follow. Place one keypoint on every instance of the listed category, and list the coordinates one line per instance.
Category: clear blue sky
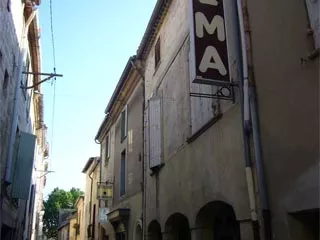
(93, 41)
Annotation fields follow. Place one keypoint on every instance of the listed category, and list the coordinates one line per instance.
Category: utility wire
(54, 79)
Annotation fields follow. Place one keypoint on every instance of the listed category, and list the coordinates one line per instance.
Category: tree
(58, 199)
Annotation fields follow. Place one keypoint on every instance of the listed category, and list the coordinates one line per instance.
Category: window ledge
(204, 128)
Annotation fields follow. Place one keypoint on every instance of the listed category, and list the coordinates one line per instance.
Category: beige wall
(64, 232)
(80, 219)
(288, 99)
(133, 146)
(94, 172)
(211, 168)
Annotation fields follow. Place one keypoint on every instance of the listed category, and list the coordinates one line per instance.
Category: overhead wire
(53, 82)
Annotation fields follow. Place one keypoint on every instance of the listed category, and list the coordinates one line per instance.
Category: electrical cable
(53, 80)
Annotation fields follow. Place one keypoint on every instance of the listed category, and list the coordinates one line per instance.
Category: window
(107, 149)
(157, 53)
(124, 124)
(123, 173)
(314, 19)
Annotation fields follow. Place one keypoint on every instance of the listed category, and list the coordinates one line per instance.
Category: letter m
(202, 23)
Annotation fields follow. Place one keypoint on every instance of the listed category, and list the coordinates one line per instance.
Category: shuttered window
(155, 132)
(124, 129)
(23, 166)
(123, 174)
(313, 12)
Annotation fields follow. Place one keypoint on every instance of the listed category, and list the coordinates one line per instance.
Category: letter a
(209, 54)
(210, 2)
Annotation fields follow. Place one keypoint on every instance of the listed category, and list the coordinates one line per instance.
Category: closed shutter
(24, 164)
(314, 11)
(201, 108)
(155, 132)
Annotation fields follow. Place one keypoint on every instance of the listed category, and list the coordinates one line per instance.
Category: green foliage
(58, 199)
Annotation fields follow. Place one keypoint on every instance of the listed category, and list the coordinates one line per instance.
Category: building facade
(216, 176)
(225, 125)
(23, 147)
(195, 180)
(80, 219)
(90, 221)
(121, 138)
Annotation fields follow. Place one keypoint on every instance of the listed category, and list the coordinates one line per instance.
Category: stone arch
(154, 231)
(217, 220)
(177, 227)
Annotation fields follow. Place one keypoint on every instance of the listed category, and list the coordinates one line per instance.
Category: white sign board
(103, 217)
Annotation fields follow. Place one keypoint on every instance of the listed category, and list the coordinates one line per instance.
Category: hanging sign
(208, 43)
(104, 191)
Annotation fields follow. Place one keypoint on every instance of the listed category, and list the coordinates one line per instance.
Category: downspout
(243, 99)
(250, 104)
(91, 190)
(14, 115)
(143, 152)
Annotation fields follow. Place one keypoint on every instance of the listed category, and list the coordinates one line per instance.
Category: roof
(155, 21)
(121, 81)
(89, 163)
(81, 197)
(116, 92)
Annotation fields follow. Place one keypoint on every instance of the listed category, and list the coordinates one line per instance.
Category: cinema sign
(208, 43)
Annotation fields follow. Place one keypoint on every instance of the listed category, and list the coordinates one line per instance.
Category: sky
(93, 41)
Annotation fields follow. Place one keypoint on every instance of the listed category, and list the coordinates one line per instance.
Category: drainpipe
(143, 150)
(250, 108)
(245, 124)
(14, 116)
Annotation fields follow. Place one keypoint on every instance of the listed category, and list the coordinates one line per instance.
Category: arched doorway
(138, 234)
(216, 220)
(177, 227)
(154, 231)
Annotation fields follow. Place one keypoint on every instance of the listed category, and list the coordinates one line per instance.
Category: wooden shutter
(24, 164)
(155, 132)
(201, 108)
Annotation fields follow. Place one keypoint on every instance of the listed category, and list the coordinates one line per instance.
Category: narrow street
(159, 120)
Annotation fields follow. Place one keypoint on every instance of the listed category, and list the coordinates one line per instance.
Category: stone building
(23, 147)
(202, 180)
(230, 109)
(121, 139)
